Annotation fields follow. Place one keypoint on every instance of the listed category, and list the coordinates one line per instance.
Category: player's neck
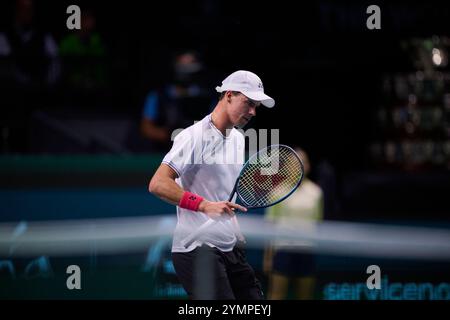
(220, 119)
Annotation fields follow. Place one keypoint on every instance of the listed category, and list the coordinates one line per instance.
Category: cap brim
(260, 96)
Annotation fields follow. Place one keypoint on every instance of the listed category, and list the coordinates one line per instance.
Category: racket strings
(270, 176)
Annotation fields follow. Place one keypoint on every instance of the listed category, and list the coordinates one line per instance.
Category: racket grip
(186, 242)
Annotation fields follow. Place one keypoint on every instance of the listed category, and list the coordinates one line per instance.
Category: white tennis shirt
(208, 164)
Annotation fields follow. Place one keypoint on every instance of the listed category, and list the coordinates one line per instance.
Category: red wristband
(190, 201)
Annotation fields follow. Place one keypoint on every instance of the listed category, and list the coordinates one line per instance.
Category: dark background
(318, 60)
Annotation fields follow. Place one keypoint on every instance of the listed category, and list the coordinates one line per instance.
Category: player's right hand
(215, 210)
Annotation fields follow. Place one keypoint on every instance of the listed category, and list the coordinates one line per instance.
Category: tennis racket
(267, 178)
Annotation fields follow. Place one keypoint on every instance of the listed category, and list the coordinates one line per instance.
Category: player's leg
(202, 274)
(242, 277)
(184, 264)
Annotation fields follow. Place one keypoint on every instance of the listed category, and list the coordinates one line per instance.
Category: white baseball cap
(247, 83)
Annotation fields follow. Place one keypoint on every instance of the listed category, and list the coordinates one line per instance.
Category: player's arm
(163, 185)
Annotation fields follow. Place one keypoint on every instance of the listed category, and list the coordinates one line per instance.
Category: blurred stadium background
(371, 107)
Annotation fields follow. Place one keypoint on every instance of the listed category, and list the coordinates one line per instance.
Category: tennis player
(197, 174)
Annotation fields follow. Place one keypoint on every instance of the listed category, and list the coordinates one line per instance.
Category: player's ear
(228, 96)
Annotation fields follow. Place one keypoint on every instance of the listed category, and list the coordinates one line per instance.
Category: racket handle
(186, 242)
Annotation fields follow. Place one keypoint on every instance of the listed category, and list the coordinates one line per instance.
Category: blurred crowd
(75, 91)
(39, 70)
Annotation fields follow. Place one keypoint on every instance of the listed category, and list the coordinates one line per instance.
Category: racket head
(269, 176)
